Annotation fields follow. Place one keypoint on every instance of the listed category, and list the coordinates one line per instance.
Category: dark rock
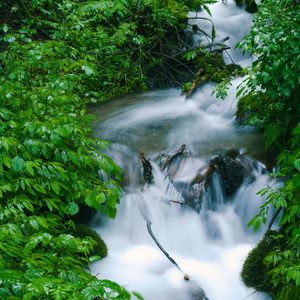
(230, 170)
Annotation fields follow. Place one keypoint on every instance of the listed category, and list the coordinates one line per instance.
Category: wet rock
(230, 170)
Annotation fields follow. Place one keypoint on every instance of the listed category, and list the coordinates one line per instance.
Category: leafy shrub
(269, 100)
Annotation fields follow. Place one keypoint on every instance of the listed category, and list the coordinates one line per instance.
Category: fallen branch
(200, 77)
(170, 158)
(161, 247)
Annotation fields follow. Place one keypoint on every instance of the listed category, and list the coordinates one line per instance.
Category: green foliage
(289, 292)
(221, 90)
(210, 66)
(57, 56)
(100, 248)
(269, 100)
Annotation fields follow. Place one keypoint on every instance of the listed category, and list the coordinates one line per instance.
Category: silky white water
(209, 246)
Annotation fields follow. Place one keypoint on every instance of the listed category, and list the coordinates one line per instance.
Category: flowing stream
(209, 245)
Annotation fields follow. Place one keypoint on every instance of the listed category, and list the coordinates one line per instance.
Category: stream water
(211, 245)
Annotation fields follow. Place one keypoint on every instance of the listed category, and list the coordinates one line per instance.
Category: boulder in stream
(230, 170)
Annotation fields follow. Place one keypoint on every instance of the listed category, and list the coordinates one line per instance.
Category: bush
(269, 99)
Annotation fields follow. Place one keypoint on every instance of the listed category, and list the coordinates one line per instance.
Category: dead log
(147, 168)
(200, 77)
(170, 158)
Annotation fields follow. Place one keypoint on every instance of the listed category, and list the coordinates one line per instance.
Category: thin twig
(249, 295)
(273, 219)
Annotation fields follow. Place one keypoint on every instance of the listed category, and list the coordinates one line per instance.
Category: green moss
(100, 249)
(255, 272)
(210, 66)
(186, 87)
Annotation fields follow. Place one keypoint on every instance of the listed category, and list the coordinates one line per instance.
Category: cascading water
(210, 245)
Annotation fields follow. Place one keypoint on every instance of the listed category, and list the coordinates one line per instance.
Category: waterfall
(209, 244)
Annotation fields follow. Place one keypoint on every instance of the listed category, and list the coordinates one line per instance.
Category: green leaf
(55, 187)
(137, 295)
(88, 70)
(29, 168)
(18, 164)
(297, 164)
(63, 131)
(72, 208)
(94, 258)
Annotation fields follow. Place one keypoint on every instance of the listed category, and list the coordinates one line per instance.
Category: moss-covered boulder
(100, 249)
(255, 272)
(230, 170)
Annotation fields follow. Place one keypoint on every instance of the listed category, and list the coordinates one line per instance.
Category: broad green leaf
(72, 208)
(18, 164)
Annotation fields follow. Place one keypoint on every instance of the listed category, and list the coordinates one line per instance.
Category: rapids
(211, 245)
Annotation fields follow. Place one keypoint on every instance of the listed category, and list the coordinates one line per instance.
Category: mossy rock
(289, 293)
(100, 249)
(255, 272)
